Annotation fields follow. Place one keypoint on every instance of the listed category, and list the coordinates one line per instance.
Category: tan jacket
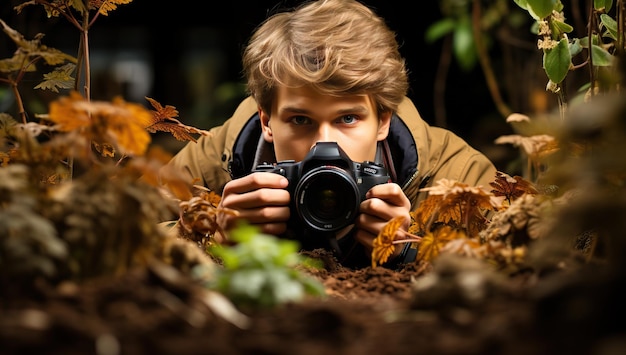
(421, 154)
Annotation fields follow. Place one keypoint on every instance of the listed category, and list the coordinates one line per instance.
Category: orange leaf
(424, 213)
(383, 243)
(127, 127)
(163, 119)
(119, 123)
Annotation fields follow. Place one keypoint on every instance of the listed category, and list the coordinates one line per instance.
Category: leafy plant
(509, 39)
(452, 220)
(70, 209)
(261, 270)
(575, 163)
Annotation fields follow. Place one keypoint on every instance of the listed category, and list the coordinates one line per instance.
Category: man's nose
(325, 133)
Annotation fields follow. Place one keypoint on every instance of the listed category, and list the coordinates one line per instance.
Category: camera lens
(327, 198)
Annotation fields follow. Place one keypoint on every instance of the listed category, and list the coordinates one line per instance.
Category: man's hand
(259, 198)
(383, 202)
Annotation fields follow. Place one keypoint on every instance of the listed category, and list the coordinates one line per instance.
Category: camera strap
(383, 156)
(264, 153)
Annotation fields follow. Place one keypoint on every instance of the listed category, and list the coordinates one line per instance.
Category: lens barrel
(327, 198)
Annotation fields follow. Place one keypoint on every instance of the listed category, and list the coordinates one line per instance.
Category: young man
(328, 71)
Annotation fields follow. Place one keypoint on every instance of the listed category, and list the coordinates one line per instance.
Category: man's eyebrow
(353, 109)
(293, 109)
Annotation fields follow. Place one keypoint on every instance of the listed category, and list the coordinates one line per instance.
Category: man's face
(301, 117)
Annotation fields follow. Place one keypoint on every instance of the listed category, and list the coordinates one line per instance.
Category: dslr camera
(326, 187)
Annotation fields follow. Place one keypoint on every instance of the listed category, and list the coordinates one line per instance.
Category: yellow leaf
(105, 6)
(383, 243)
(424, 213)
(127, 127)
(433, 242)
(61, 77)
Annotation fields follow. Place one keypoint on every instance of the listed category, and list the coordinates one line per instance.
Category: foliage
(69, 209)
(503, 37)
(262, 270)
(558, 48)
(452, 219)
(571, 191)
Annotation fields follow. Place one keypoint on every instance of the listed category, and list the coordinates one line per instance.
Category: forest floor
(456, 307)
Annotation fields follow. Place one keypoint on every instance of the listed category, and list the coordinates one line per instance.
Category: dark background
(188, 56)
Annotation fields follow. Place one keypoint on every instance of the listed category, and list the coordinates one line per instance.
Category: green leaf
(439, 29)
(610, 24)
(562, 27)
(557, 61)
(542, 8)
(602, 5)
(522, 3)
(261, 270)
(463, 46)
(601, 57)
(575, 47)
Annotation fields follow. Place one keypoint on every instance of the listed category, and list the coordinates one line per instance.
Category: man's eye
(300, 120)
(349, 119)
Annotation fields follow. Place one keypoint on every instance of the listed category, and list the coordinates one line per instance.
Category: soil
(456, 306)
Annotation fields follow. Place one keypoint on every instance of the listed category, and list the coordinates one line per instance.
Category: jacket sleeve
(459, 161)
(205, 162)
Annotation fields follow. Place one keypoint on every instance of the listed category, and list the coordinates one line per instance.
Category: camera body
(327, 187)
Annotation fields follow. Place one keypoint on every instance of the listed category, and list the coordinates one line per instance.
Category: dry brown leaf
(459, 206)
(511, 188)
(163, 119)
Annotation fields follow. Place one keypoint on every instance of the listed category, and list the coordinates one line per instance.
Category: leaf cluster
(454, 218)
(262, 271)
(559, 49)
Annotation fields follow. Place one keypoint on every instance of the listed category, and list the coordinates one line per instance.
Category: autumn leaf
(424, 213)
(119, 123)
(105, 6)
(213, 198)
(434, 241)
(28, 50)
(57, 7)
(465, 247)
(511, 188)
(105, 149)
(60, 78)
(198, 216)
(383, 243)
(163, 119)
(535, 146)
(459, 205)
(17, 63)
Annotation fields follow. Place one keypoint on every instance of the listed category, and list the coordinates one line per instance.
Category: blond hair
(340, 47)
